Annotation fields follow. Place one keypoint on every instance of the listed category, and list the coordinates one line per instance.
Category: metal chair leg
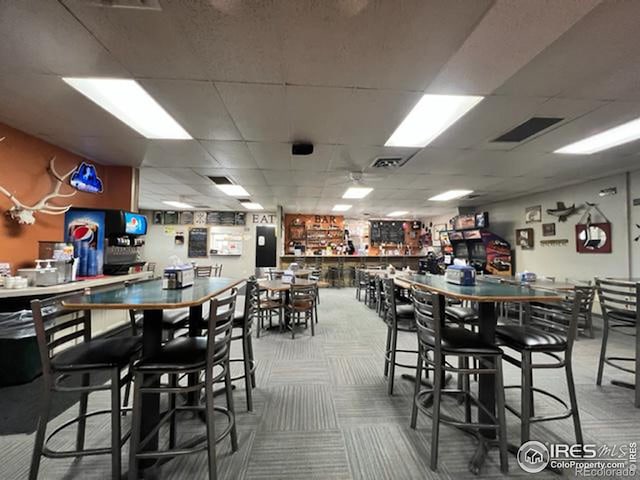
(136, 427)
(467, 389)
(501, 417)
(603, 350)
(416, 389)
(246, 355)
(435, 428)
(173, 422)
(574, 402)
(45, 412)
(82, 422)
(525, 415)
(387, 352)
(252, 358)
(116, 438)
(211, 427)
(229, 391)
(127, 388)
(392, 361)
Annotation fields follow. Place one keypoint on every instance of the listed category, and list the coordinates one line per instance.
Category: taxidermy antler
(23, 214)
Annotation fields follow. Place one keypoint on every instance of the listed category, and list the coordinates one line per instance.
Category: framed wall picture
(158, 218)
(524, 238)
(593, 237)
(186, 218)
(171, 217)
(533, 214)
(548, 229)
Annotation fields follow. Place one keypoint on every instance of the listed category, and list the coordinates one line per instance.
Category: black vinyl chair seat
(460, 314)
(175, 318)
(462, 341)
(628, 316)
(530, 338)
(100, 353)
(405, 311)
(182, 353)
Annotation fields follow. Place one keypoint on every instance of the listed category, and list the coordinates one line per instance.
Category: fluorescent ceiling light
(171, 203)
(357, 192)
(625, 133)
(431, 116)
(129, 102)
(341, 208)
(397, 213)
(450, 195)
(234, 190)
(252, 206)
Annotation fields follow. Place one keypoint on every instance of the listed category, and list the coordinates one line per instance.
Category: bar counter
(398, 261)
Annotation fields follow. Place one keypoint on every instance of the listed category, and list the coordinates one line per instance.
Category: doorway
(265, 246)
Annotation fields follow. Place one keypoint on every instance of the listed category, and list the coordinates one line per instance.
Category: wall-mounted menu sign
(197, 242)
(226, 218)
(387, 232)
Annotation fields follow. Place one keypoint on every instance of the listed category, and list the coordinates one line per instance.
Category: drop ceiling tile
(104, 150)
(236, 41)
(37, 37)
(186, 176)
(248, 177)
(230, 154)
(318, 161)
(182, 153)
(271, 156)
(196, 106)
(147, 43)
(258, 110)
(374, 115)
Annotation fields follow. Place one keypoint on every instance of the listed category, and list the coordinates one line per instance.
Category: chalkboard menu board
(197, 242)
(227, 219)
(387, 232)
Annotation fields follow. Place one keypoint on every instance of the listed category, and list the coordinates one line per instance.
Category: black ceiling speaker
(301, 148)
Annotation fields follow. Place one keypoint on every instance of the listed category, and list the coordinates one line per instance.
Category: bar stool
(189, 355)
(399, 318)
(358, 283)
(445, 342)
(549, 329)
(380, 307)
(367, 281)
(244, 322)
(69, 333)
(620, 305)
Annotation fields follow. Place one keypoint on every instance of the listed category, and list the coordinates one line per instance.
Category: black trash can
(19, 356)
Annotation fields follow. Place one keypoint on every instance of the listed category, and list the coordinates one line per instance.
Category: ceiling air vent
(388, 162)
(527, 129)
(220, 180)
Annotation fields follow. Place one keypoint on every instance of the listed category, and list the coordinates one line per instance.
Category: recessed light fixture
(357, 192)
(397, 213)
(171, 203)
(233, 190)
(625, 133)
(341, 208)
(252, 206)
(129, 102)
(431, 116)
(450, 195)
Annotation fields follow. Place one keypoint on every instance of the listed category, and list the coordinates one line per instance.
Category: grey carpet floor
(321, 411)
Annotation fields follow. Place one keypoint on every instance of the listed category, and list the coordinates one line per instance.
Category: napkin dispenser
(460, 275)
(177, 276)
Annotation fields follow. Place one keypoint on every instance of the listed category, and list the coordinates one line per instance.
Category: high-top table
(152, 300)
(487, 294)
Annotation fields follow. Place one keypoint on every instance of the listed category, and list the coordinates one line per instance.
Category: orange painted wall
(24, 160)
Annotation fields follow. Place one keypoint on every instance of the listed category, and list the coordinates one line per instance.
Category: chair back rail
(302, 294)
(220, 325)
(557, 317)
(203, 271)
(57, 328)
(429, 315)
(618, 296)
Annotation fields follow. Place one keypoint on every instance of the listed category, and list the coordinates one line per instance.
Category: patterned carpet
(321, 411)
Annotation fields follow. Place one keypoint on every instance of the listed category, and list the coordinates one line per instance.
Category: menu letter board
(197, 242)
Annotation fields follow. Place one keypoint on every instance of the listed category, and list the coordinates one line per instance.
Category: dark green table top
(150, 295)
(482, 291)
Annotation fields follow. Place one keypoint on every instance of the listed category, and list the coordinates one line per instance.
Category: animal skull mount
(24, 214)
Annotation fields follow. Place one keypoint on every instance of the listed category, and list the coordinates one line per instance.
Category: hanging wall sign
(593, 237)
(85, 179)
